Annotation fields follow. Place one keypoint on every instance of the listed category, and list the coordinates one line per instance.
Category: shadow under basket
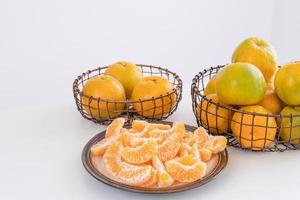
(245, 130)
(103, 111)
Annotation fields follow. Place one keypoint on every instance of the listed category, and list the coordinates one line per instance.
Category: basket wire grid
(211, 119)
(103, 111)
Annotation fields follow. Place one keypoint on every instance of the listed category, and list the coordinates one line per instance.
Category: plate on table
(95, 167)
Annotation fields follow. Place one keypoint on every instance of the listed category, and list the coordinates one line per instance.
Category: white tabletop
(44, 45)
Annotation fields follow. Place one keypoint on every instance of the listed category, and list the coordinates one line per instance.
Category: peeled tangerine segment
(113, 132)
(137, 141)
(178, 128)
(217, 144)
(140, 154)
(99, 148)
(135, 175)
(169, 148)
(112, 158)
(185, 173)
(130, 174)
(164, 179)
(115, 127)
(153, 180)
(139, 125)
(205, 154)
(201, 137)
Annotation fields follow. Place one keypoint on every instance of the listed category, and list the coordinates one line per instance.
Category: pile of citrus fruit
(253, 83)
(105, 96)
(156, 155)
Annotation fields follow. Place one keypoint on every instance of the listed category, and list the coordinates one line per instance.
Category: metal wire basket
(246, 130)
(103, 111)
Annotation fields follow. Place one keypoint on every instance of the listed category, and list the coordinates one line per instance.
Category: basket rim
(176, 90)
(196, 91)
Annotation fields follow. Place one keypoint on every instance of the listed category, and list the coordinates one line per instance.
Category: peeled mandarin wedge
(185, 173)
(135, 175)
(169, 148)
(205, 154)
(184, 149)
(195, 152)
(113, 132)
(130, 174)
(187, 160)
(115, 127)
(139, 125)
(189, 138)
(164, 179)
(140, 154)
(112, 158)
(137, 141)
(153, 180)
(178, 128)
(217, 144)
(201, 137)
(99, 148)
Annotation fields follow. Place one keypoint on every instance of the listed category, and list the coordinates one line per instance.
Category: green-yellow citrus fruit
(240, 84)
(259, 53)
(287, 83)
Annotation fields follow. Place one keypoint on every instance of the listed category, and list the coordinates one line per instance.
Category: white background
(44, 45)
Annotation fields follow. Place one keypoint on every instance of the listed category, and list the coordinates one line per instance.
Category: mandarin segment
(140, 154)
(169, 148)
(112, 158)
(185, 173)
(135, 175)
(178, 128)
(115, 127)
(205, 154)
(164, 179)
(153, 180)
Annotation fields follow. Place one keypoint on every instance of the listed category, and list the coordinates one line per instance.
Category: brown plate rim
(87, 163)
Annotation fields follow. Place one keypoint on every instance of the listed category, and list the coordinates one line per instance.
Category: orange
(130, 174)
(107, 89)
(287, 83)
(253, 132)
(153, 87)
(240, 84)
(290, 131)
(139, 125)
(259, 53)
(169, 148)
(140, 154)
(178, 128)
(185, 173)
(127, 73)
(164, 179)
(215, 118)
(271, 101)
(211, 86)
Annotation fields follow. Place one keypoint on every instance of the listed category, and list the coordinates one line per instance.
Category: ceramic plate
(95, 167)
